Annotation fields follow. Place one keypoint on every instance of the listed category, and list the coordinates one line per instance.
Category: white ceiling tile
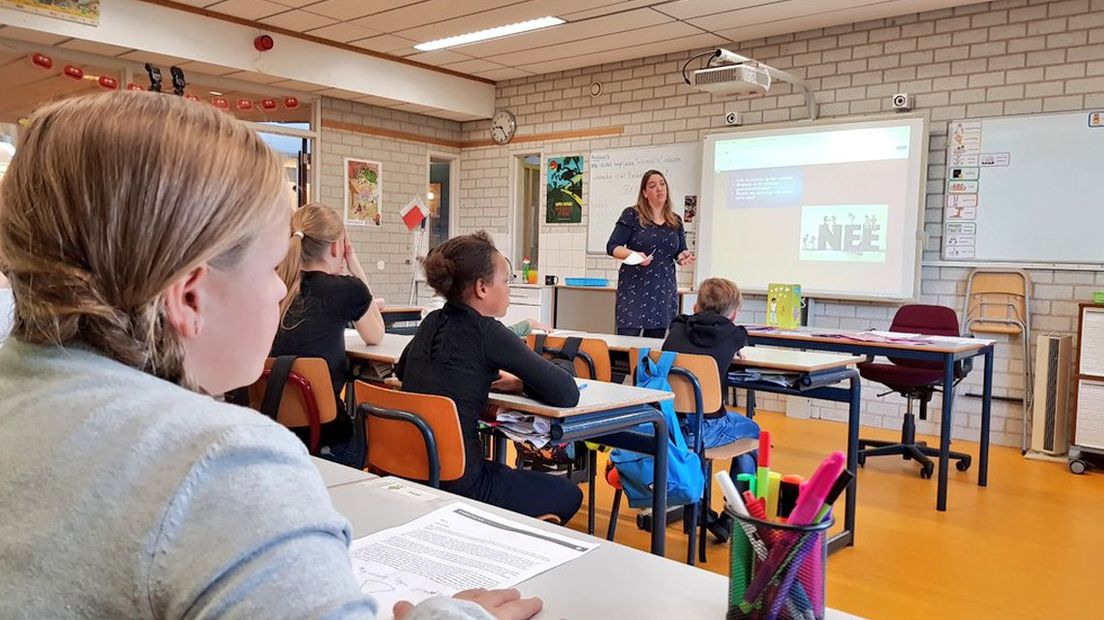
(247, 9)
(437, 11)
(207, 68)
(438, 57)
(295, 4)
(32, 36)
(92, 47)
(198, 3)
(345, 10)
(685, 9)
(473, 65)
(251, 76)
(436, 19)
(608, 8)
(508, 73)
(298, 85)
(622, 22)
(343, 32)
(161, 60)
(625, 53)
(299, 21)
(595, 45)
(387, 44)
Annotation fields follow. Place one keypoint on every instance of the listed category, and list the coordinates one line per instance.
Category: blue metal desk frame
(871, 350)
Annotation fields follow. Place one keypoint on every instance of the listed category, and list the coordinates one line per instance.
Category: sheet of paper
(455, 548)
(635, 258)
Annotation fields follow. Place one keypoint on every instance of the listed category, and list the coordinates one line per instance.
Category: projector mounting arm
(723, 57)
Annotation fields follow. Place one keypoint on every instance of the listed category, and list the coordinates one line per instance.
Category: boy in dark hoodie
(711, 331)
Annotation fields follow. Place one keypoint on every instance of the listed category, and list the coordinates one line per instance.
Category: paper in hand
(635, 258)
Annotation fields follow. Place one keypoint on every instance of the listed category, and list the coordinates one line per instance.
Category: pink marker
(814, 492)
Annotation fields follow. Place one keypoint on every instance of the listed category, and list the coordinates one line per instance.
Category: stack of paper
(525, 427)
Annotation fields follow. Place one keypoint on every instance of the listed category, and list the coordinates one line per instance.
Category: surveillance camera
(732, 119)
(723, 57)
(901, 101)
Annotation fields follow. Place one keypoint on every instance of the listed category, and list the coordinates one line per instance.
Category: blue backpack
(685, 480)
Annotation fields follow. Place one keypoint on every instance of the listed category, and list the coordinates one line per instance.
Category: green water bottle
(525, 270)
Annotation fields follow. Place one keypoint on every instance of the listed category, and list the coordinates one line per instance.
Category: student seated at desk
(712, 331)
(319, 303)
(141, 233)
(461, 351)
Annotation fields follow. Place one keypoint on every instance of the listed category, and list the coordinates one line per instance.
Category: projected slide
(834, 208)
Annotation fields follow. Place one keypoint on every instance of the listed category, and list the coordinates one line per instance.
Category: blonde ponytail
(314, 227)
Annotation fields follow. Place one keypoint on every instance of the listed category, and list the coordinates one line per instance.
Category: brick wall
(1001, 58)
(405, 167)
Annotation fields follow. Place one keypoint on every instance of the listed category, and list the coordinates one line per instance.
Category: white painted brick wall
(405, 173)
(1001, 58)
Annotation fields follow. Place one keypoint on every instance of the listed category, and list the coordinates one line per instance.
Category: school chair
(590, 358)
(412, 436)
(306, 401)
(997, 303)
(696, 385)
(914, 380)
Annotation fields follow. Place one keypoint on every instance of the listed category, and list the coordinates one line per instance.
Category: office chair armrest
(434, 460)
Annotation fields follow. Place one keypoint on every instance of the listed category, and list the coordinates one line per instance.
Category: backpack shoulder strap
(570, 349)
(538, 343)
(274, 387)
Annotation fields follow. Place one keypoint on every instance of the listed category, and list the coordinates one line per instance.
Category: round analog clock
(503, 126)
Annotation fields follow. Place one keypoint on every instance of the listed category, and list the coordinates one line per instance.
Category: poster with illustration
(81, 11)
(565, 190)
(363, 192)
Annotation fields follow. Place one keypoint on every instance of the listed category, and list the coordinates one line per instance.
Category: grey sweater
(125, 496)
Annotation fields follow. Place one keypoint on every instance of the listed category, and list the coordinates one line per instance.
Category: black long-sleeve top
(458, 353)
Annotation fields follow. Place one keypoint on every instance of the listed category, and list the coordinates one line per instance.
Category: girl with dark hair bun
(461, 351)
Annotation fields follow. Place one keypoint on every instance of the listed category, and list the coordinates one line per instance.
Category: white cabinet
(527, 301)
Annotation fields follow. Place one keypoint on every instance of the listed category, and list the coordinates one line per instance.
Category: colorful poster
(80, 11)
(784, 305)
(363, 192)
(565, 190)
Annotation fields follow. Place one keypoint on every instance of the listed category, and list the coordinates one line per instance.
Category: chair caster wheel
(1078, 466)
(962, 464)
(862, 461)
(926, 471)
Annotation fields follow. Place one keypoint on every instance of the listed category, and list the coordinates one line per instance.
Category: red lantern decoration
(290, 103)
(221, 103)
(73, 73)
(108, 82)
(192, 98)
(268, 104)
(42, 61)
(133, 86)
(244, 105)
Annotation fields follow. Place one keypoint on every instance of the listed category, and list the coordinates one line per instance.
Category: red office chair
(915, 380)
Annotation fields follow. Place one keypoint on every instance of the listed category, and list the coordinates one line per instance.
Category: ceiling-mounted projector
(729, 73)
(742, 79)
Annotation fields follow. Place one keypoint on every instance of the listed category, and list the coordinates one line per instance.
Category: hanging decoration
(42, 61)
(73, 72)
(107, 82)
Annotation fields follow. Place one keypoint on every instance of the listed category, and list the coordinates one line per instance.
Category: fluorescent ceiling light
(490, 33)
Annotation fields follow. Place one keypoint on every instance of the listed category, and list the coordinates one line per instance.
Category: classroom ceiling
(596, 32)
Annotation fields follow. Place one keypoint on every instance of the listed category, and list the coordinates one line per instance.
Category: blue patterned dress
(647, 297)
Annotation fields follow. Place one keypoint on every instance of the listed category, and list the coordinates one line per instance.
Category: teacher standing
(647, 295)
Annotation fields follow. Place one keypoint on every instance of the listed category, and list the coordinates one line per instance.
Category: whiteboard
(615, 180)
(1025, 189)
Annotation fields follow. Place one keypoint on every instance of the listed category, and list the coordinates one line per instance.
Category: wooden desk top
(387, 352)
(935, 344)
(402, 310)
(596, 396)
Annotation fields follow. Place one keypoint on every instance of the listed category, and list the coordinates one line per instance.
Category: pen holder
(776, 571)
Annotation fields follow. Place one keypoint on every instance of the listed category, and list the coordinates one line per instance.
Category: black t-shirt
(315, 327)
(457, 353)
